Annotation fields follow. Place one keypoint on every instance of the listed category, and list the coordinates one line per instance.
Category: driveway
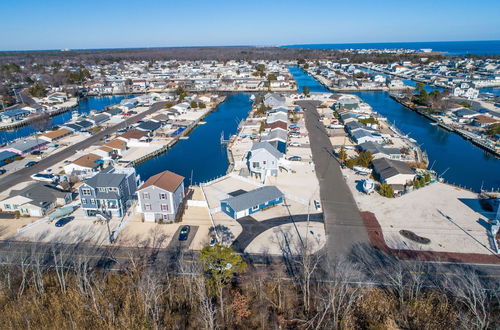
(253, 228)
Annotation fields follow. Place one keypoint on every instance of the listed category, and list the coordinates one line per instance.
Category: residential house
(7, 157)
(149, 126)
(160, 197)
(264, 160)
(279, 137)
(55, 135)
(393, 172)
(24, 147)
(274, 100)
(109, 192)
(10, 116)
(84, 166)
(36, 200)
(378, 151)
(251, 202)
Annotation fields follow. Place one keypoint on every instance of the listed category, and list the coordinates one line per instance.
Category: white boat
(368, 186)
(252, 97)
(362, 170)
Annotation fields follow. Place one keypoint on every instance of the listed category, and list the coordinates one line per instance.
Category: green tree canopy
(221, 264)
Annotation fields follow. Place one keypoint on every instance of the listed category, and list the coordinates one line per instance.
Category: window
(163, 196)
(255, 208)
(84, 201)
(164, 207)
(145, 195)
(147, 207)
(102, 189)
(256, 164)
(86, 191)
(92, 201)
(6, 206)
(264, 162)
(15, 206)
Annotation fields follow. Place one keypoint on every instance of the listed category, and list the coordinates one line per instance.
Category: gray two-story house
(160, 197)
(110, 191)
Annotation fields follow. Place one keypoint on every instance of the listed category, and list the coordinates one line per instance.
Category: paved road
(24, 174)
(343, 223)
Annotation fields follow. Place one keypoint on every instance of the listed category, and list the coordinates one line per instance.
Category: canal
(202, 154)
(85, 106)
(461, 162)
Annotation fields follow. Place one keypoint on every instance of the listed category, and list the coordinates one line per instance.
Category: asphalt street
(343, 223)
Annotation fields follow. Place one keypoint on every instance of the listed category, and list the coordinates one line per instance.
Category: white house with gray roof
(264, 160)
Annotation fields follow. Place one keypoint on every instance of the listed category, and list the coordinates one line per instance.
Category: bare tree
(206, 305)
(339, 294)
(472, 294)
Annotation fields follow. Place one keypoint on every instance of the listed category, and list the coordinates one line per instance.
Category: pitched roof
(253, 198)
(116, 144)
(277, 124)
(267, 146)
(166, 180)
(387, 168)
(148, 126)
(57, 133)
(133, 134)
(40, 193)
(102, 179)
(89, 161)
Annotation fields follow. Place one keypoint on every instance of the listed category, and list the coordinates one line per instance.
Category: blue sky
(51, 24)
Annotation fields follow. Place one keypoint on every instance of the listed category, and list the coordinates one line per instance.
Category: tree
(493, 129)
(201, 105)
(272, 76)
(342, 154)
(194, 104)
(305, 90)
(37, 90)
(364, 159)
(260, 67)
(220, 265)
(386, 190)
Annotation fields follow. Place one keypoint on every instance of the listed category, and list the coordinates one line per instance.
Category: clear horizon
(57, 24)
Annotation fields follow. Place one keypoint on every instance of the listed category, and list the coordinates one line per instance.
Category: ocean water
(452, 48)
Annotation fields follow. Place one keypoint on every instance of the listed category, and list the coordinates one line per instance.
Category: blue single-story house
(7, 157)
(251, 202)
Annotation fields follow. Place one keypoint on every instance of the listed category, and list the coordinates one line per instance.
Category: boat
(434, 124)
(252, 97)
(368, 186)
(362, 170)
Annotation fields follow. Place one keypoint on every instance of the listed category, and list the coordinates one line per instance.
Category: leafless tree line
(56, 285)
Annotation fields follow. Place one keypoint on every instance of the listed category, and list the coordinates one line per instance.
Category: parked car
(184, 233)
(295, 158)
(61, 222)
(317, 205)
(31, 163)
(36, 153)
(295, 144)
(2, 171)
(295, 135)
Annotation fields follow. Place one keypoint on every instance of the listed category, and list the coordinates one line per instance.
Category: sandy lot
(450, 217)
(273, 241)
